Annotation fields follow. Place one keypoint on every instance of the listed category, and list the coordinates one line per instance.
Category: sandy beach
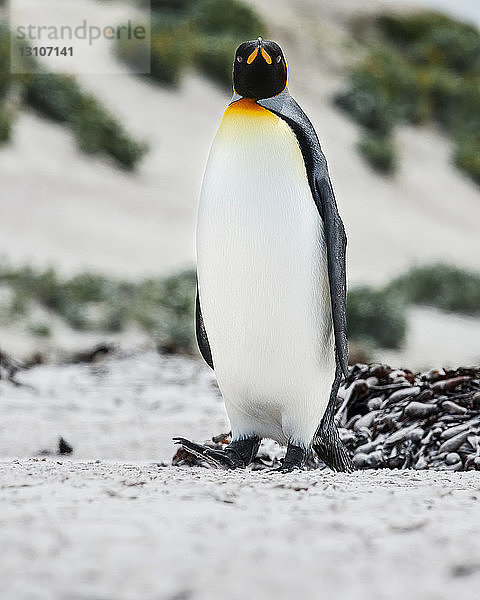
(114, 521)
(123, 531)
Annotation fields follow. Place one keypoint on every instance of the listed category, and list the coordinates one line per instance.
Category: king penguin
(271, 283)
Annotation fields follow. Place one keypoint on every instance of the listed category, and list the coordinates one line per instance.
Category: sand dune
(62, 208)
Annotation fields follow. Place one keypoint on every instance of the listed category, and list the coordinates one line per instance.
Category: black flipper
(202, 339)
(326, 441)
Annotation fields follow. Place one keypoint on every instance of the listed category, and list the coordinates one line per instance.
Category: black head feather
(260, 69)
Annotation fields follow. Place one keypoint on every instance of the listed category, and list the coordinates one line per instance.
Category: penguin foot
(217, 458)
(294, 459)
(237, 455)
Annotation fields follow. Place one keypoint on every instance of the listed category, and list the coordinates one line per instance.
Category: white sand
(95, 528)
(121, 409)
(124, 531)
(435, 338)
(60, 207)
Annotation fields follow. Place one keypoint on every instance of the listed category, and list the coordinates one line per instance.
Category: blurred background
(101, 168)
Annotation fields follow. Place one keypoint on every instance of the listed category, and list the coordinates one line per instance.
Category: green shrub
(176, 335)
(18, 308)
(456, 48)
(28, 283)
(446, 287)
(369, 108)
(5, 75)
(171, 324)
(134, 52)
(57, 97)
(379, 92)
(215, 58)
(442, 86)
(97, 131)
(395, 78)
(85, 287)
(171, 51)
(405, 29)
(435, 39)
(226, 17)
(459, 113)
(467, 156)
(376, 317)
(172, 47)
(162, 307)
(427, 69)
(202, 33)
(5, 125)
(178, 292)
(60, 98)
(221, 26)
(173, 6)
(40, 330)
(116, 318)
(379, 152)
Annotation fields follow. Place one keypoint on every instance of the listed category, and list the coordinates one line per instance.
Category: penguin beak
(266, 57)
(252, 56)
(259, 48)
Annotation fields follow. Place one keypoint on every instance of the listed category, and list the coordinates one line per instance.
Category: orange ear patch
(267, 57)
(252, 57)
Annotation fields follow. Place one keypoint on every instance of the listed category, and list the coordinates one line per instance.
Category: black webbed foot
(217, 458)
(294, 459)
(237, 455)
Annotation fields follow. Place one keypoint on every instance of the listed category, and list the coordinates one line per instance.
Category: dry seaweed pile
(8, 368)
(396, 419)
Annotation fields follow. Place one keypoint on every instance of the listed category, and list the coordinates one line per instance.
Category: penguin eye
(239, 58)
(279, 58)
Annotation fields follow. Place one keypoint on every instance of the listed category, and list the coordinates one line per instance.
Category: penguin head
(259, 70)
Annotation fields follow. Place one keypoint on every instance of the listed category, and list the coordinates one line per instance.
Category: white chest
(262, 266)
(256, 210)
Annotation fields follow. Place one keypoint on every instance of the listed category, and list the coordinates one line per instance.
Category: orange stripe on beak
(252, 57)
(267, 57)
